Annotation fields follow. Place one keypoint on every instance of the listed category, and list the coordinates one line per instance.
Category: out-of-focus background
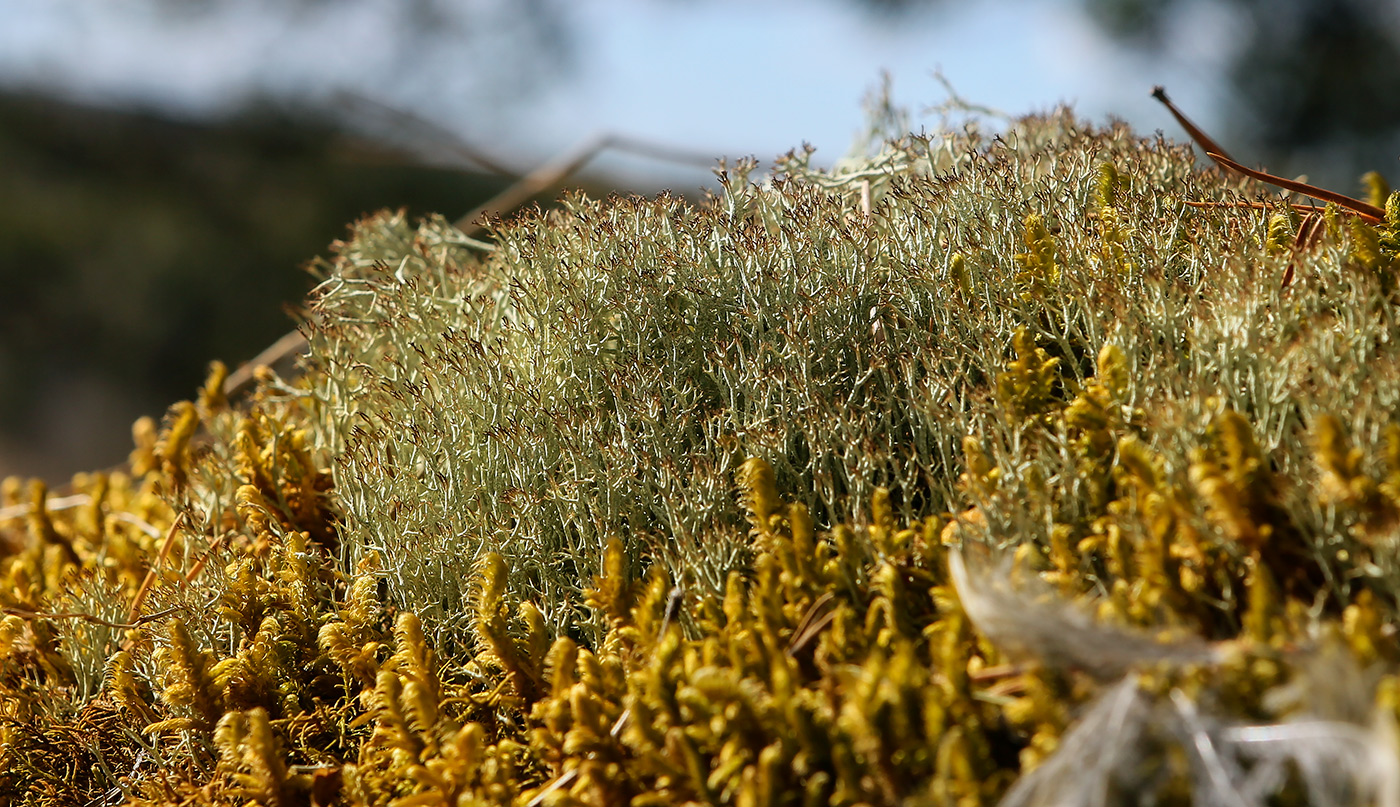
(166, 165)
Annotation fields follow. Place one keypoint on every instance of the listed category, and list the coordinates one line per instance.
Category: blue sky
(718, 76)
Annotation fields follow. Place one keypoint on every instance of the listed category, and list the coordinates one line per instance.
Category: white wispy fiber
(1329, 736)
(1028, 621)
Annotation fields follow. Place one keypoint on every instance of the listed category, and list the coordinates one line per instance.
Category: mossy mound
(644, 502)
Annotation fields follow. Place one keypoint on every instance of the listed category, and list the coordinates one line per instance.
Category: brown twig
(1309, 231)
(285, 347)
(155, 567)
(1213, 150)
(96, 620)
(1306, 210)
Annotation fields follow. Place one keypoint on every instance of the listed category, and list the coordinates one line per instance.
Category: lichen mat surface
(979, 470)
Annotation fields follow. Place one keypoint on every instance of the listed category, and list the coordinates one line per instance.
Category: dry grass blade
(567, 164)
(811, 625)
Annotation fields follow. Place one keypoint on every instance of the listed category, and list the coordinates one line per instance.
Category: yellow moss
(172, 447)
(211, 395)
(1028, 387)
(1377, 189)
(757, 488)
(1039, 269)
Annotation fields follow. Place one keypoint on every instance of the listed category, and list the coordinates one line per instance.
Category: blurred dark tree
(499, 49)
(134, 249)
(1314, 84)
